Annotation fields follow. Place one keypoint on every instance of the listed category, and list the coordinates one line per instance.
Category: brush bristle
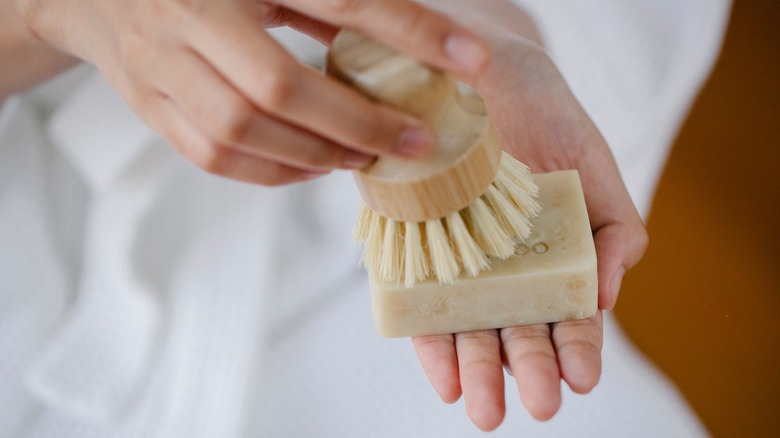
(443, 262)
(415, 259)
(516, 182)
(487, 231)
(471, 257)
(491, 226)
(392, 252)
(370, 230)
(363, 224)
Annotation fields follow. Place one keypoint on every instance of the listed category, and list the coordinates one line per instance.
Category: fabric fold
(99, 144)
(105, 345)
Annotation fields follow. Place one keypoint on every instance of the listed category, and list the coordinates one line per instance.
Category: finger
(407, 26)
(440, 364)
(228, 118)
(619, 247)
(281, 87)
(618, 231)
(481, 377)
(530, 355)
(276, 16)
(578, 345)
(165, 117)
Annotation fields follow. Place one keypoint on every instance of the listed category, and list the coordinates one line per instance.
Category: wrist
(27, 59)
(42, 23)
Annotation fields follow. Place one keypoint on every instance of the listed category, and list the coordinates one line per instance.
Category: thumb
(619, 246)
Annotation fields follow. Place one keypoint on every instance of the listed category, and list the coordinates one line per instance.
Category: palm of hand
(541, 123)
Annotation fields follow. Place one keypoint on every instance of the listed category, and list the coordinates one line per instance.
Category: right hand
(215, 85)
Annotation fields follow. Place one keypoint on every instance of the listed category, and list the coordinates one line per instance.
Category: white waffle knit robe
(142, 297)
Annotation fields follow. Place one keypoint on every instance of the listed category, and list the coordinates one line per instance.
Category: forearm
(26, 61)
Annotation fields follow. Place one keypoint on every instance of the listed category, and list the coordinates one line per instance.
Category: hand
(26, 60)
(206, 76)
(541, 123)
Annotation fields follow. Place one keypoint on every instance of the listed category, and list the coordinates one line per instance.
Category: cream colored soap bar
(552, 277)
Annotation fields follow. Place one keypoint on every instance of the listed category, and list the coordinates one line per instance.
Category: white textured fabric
(141, 297)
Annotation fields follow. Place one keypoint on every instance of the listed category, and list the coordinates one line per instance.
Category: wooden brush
(453, 211)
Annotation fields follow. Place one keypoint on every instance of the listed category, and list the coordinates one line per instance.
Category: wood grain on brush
(466, 157)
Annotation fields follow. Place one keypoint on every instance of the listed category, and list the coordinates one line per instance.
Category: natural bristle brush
(453, 211)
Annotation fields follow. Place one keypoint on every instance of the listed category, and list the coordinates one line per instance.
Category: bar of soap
(552, 277)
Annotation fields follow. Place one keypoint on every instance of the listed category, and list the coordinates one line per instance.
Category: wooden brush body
(467, 154)
(453, 211)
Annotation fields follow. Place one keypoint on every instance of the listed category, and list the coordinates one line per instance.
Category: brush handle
(466, 157)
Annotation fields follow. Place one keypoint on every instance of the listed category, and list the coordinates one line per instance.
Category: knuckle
(431, 342)
(217, 159)
(136, 44)
(479, 365)
(212, 158)
(478, 335)
(32, 13)
(235, 123)
(481, 338)
(208, 155)
(583, 335)
(319, 159)
(522, 334)
(131, 47)
(581, 347)
(276, 88)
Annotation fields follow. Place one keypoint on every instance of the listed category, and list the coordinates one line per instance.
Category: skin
(207, 77)
(541, 123)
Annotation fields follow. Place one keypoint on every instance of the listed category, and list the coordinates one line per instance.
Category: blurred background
(704, 304)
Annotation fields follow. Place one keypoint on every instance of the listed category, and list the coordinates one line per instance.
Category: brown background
(704, 304)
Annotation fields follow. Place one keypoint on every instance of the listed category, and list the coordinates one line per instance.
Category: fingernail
(414, 142)
(357, 160)
(467, 52)
(617, 280)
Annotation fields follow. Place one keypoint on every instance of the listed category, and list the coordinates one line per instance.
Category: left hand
(541, 123)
